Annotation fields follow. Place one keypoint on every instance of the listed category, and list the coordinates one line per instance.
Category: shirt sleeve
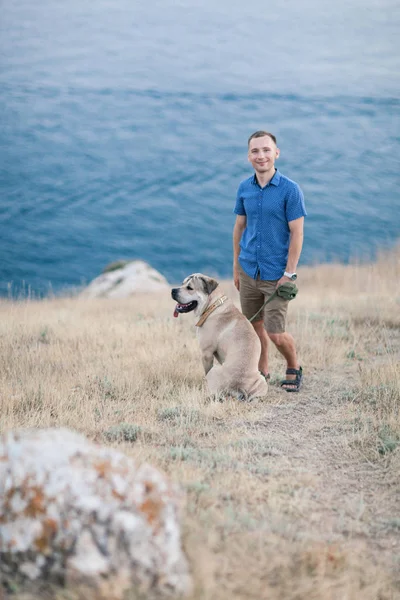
(239, 206)
(295, 207)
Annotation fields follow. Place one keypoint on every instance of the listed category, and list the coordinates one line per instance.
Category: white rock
(132, 278)
(88, 513)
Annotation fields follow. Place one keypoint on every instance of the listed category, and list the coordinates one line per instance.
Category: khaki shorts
(253, 294)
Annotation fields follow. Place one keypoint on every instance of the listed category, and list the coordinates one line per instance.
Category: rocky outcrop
(87, 515)
(124, 278)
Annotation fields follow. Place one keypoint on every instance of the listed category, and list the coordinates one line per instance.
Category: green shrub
(124, 432)
(388, 440)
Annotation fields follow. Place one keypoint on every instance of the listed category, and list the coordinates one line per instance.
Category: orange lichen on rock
(117, 495)
(36, 503)
(103, 467)
(151, 508)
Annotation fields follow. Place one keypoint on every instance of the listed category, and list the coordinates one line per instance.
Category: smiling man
(267, 243)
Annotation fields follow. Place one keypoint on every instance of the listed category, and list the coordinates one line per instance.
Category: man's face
(262, 154)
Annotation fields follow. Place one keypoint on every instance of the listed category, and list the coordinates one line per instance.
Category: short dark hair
(258, 134)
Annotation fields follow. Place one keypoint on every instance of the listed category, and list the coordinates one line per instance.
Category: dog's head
(193, 293)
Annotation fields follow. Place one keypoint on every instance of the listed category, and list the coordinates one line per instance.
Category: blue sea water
(123, 129)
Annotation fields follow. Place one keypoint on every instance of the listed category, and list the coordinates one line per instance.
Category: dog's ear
(209, 284)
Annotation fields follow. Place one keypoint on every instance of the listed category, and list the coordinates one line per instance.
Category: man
(267, 242)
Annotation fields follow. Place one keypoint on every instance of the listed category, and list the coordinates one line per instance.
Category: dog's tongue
(176, 314)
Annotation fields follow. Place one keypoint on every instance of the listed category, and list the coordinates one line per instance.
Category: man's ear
(209, 284)
(277, 153)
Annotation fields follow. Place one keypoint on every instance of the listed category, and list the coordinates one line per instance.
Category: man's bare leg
(284, 342)
(262, 334)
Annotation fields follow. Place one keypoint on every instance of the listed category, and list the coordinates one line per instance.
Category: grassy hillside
(293, 498)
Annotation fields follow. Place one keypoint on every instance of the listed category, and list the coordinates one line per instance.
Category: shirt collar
(274, 181)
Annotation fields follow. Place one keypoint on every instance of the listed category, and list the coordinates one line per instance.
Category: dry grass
(293, 498)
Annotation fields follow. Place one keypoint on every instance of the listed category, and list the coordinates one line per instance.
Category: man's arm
(239, 227)
(296, 243)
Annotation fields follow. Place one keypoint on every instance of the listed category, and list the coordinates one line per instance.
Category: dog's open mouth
(185, 308)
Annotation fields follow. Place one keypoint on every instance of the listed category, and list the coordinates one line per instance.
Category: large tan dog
(225, 334)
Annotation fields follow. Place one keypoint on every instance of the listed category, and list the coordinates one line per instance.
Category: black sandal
(294, 383)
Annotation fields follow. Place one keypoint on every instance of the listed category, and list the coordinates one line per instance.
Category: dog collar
(204, 316)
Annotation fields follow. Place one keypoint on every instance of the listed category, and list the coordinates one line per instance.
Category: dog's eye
(189, 287)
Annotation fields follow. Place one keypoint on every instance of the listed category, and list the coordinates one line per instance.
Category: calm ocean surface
(123, 129)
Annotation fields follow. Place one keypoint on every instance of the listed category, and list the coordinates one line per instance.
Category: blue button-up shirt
(265, 241)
